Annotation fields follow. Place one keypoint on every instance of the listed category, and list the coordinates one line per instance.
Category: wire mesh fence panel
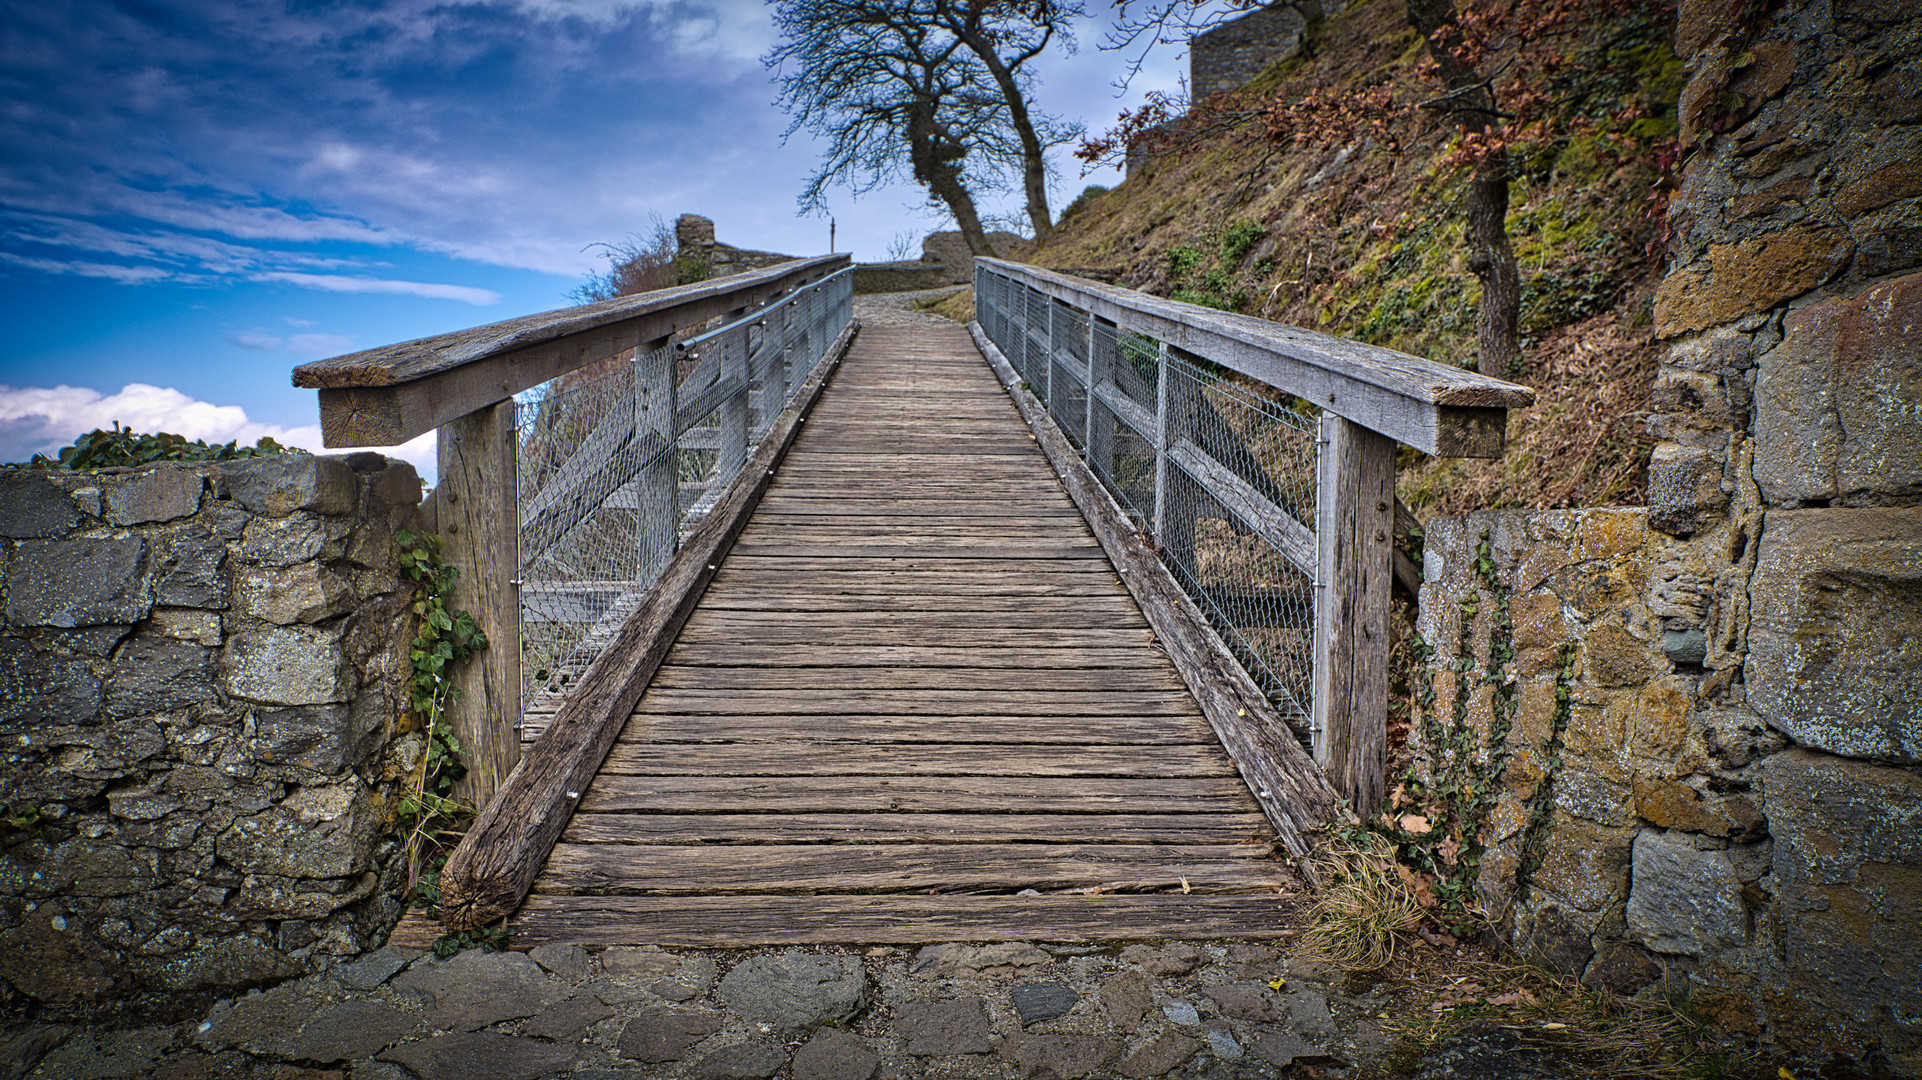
(620, 461)
(1217, 469)
(1237, 521)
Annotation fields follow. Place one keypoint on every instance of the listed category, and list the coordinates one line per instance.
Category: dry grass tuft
(1604, 1034)
(1364, 908)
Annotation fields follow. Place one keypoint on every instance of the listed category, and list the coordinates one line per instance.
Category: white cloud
(41, 420)
(337, 283)
(256, 340)
(315, 346)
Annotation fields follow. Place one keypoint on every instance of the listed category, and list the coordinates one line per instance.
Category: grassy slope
(1367, 245)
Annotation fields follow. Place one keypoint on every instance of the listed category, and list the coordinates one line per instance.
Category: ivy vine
(428, 816)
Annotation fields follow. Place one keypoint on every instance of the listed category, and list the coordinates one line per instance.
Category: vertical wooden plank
(733, 416)
(1098, 446)
(658, 482)
(1178, 498)
(1354, 526)
(479, 527)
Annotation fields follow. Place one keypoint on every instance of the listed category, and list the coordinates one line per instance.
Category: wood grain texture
(475, 507)
(1285, 781)
(916, 670)
(1436, 408)
(494, 865)
(1356, 521)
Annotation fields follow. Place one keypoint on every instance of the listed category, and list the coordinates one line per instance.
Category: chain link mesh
(619, 461)
(1216, 468)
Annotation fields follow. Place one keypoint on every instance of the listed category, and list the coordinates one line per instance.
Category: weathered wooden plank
(882, 565)
(774, 586)
(708, 869)
(675, 674)
(385, 396)
(846, 701)
(930, 547)
(909, 794)
(943, 828)
(495, 863)
(702, 632)
(851, 731)
(1282, 777)
(832, 621)
(474, 504)
(725, 922)
(1355, 523)
(1006, 759)
(853, 657)
(1436, 408)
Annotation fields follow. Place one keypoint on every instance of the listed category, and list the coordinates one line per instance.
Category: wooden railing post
(1177, 497)
(1099, 444)
(475, 501)
(734, 409)
(658, 481)
(1354, 530)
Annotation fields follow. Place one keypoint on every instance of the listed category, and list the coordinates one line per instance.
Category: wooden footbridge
(913, 674)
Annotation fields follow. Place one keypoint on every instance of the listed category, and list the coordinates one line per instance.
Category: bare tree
(884, 89)
(1006, 35)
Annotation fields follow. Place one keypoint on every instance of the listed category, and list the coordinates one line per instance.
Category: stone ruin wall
(694, 239)
(201, 666)
(1731, 798)
(1228, 56)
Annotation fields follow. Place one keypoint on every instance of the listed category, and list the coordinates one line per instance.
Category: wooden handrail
(1436, 408)
(386, 396)
(463, 385)
(1370, 399)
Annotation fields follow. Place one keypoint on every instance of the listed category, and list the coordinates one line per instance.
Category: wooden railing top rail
(1436, 408)
(385, 396)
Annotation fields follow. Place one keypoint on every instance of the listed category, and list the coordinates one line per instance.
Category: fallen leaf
(1415, 825)
(1515, 997)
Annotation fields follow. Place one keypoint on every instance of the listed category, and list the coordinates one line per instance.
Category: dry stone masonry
(1713, 738)
(200, 673)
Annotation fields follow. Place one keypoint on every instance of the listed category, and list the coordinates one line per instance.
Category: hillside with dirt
(1363, 236)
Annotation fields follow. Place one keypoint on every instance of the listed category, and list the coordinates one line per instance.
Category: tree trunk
(935, 161)
(947, 187)
(1492, 260)
(1490, 255)
(1034, 169)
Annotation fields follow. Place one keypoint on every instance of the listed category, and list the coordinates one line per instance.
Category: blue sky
(196, 196)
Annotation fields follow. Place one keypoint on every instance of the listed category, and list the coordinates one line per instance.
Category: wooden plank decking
(915, 704)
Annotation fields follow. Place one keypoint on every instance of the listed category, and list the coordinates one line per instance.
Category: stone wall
(1228, 56)
(1709, 758)
(695, 241)
(201, 666)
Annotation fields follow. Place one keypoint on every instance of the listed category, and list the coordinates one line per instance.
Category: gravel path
(898, 309)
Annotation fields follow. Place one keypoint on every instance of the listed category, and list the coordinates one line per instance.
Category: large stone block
(303, 593)
(189, 567)
(154, 674)
(1748, 276)
(1684, 901)
(1847, 861)
(1838, 404)
(278, 486)
(288, 665)
(91, 581)
(33, 507)
(1835, 636)
(320, 831)
(322, 739)
(160, 493)
(38, 688)
(1586, 864)
(1684, 489)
